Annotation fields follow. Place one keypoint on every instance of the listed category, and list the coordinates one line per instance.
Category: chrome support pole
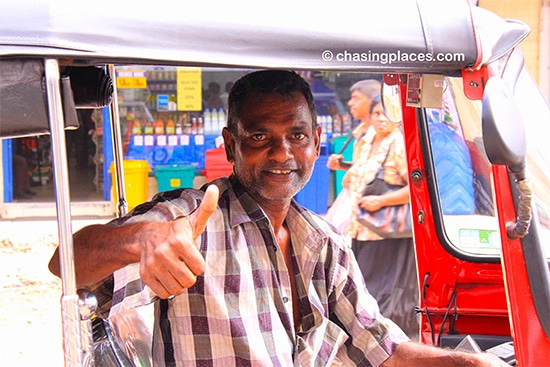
(76, 348)
(122, 205)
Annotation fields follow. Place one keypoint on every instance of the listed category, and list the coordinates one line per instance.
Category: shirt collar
(305, 228)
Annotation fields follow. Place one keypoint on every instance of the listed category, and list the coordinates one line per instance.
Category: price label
(172, 140)
(184, 140)
(199, 139)
(138, 140)
(149, 140)
(161, 140)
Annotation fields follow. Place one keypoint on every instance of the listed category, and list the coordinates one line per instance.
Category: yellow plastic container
(136, 182)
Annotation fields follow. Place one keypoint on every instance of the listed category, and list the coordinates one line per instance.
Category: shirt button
(285, 299)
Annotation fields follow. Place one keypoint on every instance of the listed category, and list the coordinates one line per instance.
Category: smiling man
(241, 275)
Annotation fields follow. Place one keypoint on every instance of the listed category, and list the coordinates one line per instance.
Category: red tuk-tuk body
(488, 299)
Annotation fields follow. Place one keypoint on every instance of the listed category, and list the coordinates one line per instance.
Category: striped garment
(239, 313)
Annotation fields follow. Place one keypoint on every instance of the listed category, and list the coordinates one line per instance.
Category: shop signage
(131, 79)
(189, 89)
(163, 101)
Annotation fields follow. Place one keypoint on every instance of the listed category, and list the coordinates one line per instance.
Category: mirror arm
(514, 66)
(520, 227)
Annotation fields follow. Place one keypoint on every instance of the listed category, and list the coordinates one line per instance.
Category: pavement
(30, 313)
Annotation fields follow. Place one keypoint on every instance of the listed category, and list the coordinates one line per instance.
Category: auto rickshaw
(57, 56)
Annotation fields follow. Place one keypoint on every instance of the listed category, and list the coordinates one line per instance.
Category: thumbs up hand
(170, 261)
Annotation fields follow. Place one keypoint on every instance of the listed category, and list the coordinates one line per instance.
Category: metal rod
(61, 176)
(122, 205)
(348, 141)
(69, 300)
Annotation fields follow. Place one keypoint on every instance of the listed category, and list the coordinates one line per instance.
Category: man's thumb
(205, 210)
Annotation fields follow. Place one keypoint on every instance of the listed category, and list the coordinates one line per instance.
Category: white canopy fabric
(378, 36)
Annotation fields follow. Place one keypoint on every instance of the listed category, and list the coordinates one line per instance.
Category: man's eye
(258, 137)
(299, 136)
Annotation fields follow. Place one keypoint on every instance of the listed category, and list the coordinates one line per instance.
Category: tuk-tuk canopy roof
(381, 36)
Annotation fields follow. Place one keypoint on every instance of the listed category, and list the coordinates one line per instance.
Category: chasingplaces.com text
(387, 58)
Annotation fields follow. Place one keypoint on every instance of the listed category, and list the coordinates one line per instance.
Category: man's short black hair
(263, 83)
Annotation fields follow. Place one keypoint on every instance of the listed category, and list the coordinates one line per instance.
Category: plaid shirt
(239, 312)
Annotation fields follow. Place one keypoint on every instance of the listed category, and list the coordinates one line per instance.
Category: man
(362, 94)
(245, 275)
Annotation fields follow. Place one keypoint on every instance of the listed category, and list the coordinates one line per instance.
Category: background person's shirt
(366, 167)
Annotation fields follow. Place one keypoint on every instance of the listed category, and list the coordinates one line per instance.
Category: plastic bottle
(179, 127)
(136, 127)
(187, 127)
(159, 127)
(207, 117)
(194, 126)
(149, 128)
(322, 121)
(170, 127)
(200, 126)
(221, 120)
(215, 121)
(330, 126)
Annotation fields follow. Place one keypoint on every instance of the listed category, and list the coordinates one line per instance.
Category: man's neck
(277, 215)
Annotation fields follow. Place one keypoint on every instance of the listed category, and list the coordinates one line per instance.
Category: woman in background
(388, 264)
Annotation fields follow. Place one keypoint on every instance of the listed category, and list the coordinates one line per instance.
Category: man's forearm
(413, 354)
(99, 250)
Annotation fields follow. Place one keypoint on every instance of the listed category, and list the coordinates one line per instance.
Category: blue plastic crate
(314, 195)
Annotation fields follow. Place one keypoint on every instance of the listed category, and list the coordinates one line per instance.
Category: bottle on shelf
(194, 126)
(207, 119)
(215, 121)
(200, 126)
(149, 128)
(322, 121)
(136, 127)
(159, 127)
(331, 127)
(170, 127)
(337, 122)
(187, 127)
(221, 120)
(179, 126)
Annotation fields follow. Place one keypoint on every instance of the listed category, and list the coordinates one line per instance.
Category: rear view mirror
(502, 127)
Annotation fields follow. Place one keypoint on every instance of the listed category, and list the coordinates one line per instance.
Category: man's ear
(317, 137)
(229, 142)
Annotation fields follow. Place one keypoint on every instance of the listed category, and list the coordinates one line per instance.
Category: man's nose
(281, 150)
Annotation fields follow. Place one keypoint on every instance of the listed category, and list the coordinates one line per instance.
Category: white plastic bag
(339, 213)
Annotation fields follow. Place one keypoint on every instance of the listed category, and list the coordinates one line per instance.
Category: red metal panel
(480, 297)
(530, 343)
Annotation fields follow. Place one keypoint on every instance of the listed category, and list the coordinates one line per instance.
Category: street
(30, 313)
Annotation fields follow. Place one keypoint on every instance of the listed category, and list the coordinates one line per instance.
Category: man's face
(359, 105)
(275, 148)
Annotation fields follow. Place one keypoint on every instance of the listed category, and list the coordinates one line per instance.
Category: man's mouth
(280, 171)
